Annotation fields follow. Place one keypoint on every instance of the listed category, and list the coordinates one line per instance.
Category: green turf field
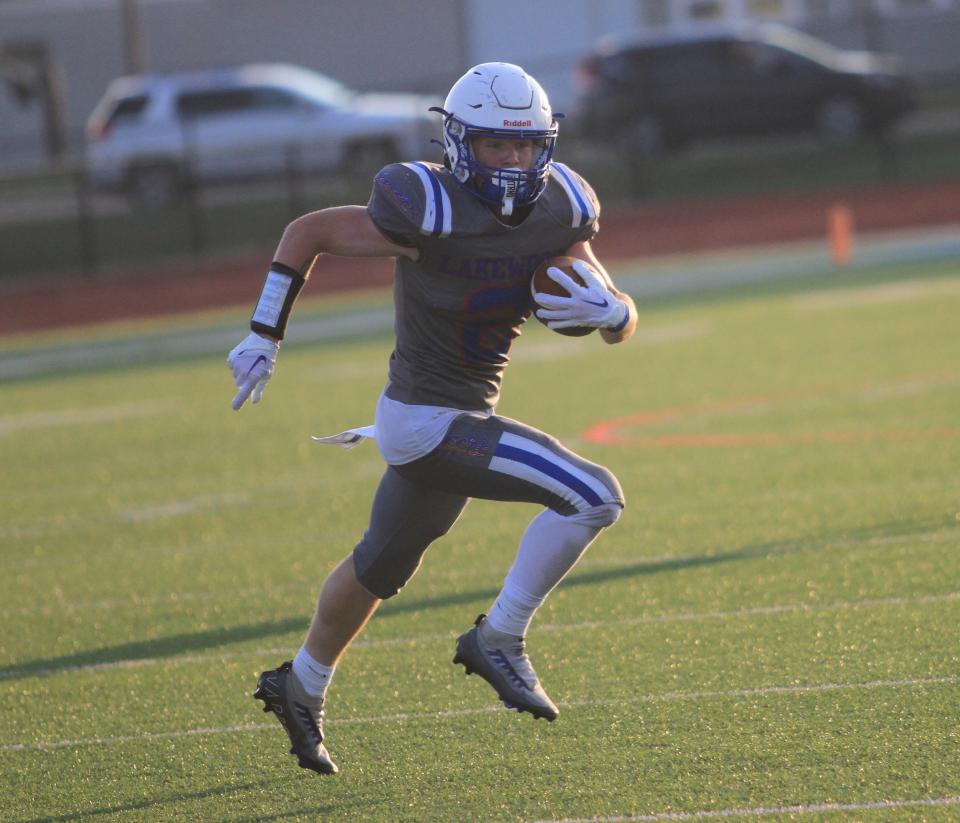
(770, 631)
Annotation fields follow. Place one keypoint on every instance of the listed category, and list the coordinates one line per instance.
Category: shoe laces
(523, 665)
(309, 709)
(312, 718)
(514, 650)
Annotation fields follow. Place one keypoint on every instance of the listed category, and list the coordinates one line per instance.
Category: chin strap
(509, 186)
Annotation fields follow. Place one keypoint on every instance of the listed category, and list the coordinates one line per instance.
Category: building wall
(546, 38)
(406, 45)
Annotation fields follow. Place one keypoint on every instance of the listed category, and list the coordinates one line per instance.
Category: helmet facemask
(508, 188)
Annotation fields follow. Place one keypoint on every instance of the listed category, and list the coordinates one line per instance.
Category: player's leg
(343, 609)
(501, 459)
(404, 520)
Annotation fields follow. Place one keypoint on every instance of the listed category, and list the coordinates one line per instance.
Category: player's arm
(346, 231)
(618, 333)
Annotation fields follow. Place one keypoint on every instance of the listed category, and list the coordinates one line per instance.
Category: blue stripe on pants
(543, 465)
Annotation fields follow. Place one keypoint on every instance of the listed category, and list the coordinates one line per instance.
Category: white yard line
(537, 349)
(37, 527)
(767, 811)
(437, 637)
(927, 536)
(909, 387)
(895, 292)
(179, 508)
(59, 606)
(789, 608)
(401, 717)
(12, 423)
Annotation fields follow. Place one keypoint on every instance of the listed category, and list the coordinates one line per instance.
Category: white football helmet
(498, 100)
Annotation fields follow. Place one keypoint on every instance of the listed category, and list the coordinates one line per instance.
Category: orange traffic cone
(840, 233)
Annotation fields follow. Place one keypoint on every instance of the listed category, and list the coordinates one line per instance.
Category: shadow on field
(184, 644)
(846, 538)
(159, 801)
(170, 646)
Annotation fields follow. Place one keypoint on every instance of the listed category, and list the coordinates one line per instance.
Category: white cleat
(502, 661)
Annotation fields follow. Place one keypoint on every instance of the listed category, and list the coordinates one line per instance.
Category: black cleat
(298, 713)
(502, 661)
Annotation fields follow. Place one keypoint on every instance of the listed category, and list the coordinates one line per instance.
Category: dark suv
(656, 95)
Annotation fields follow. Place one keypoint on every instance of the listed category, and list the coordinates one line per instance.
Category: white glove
(592, 305)
(252, 365)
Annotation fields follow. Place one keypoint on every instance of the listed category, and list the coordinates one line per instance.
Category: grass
(770, 627)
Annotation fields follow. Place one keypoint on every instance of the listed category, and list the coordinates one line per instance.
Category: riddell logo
(518, 123)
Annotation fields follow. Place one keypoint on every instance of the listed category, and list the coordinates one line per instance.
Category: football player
(467, 236)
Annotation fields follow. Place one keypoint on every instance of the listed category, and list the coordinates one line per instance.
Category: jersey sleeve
(409, 203)
(583, 205)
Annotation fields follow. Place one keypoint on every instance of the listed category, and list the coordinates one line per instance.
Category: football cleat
(299, 713)
(502, 661)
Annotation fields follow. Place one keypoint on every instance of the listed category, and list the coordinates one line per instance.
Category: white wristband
(272, 298)
(280, 290)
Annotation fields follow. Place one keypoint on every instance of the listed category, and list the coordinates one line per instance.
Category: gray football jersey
(461, 304)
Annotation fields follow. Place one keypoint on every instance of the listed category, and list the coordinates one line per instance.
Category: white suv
(150, 134)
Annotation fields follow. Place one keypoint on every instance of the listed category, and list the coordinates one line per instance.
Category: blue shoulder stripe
(581, 203)
(437, 214)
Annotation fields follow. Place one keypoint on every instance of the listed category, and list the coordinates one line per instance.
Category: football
(544, 284)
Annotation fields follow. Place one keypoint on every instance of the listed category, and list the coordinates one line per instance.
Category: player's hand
(252, 365)
(591, 305)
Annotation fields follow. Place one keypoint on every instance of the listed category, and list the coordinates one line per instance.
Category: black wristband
(276, 300)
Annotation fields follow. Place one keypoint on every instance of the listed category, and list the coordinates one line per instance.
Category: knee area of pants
(380, 589)
(606, 514)
(380, 580)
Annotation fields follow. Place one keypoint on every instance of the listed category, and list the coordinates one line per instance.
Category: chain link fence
(57, 222)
